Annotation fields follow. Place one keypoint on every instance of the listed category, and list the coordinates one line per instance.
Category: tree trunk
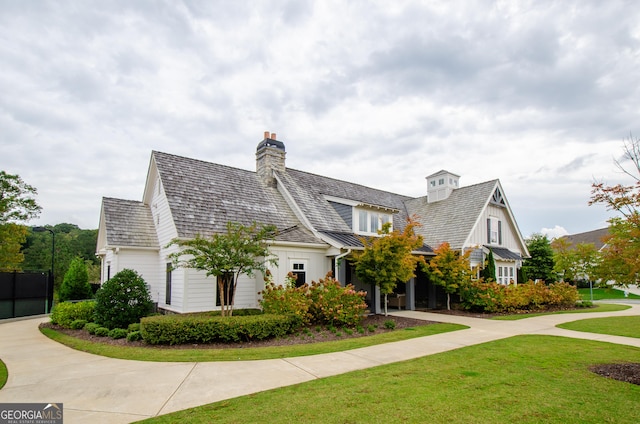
(448, 302)
(221, 293)
(385, 304)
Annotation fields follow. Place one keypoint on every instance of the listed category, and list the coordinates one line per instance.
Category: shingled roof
(203, 196)
(594, 237)
(309, 191)
(453, 219)
(128, 223)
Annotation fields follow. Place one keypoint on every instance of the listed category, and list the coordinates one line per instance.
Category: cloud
(554, 232)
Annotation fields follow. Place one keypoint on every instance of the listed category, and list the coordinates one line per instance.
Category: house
(319, 221)
(595, 237)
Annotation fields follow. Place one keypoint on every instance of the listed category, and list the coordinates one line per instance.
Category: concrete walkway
(103, 390)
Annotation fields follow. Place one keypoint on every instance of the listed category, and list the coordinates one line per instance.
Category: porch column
(410, 299)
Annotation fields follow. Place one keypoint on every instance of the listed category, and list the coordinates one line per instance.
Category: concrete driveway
(103, 390)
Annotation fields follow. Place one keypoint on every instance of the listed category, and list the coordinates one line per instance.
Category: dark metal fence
(25, 293)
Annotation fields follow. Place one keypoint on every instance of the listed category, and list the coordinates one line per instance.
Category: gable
(126, 223)
(204, 196)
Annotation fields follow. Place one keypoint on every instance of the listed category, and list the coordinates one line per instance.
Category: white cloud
(554, 232)
(538, 94)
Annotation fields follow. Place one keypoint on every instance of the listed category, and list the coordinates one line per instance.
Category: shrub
(75, 285)
(78, 324)
(101, 332)
(179, 329)
(564, 294)
(390, 324)
(134, 336)
(134, 327)
(118, 333)
(286, 300)
(66, 312)
(91, 327)
(481, 296)
(122, 300)
(336, 305)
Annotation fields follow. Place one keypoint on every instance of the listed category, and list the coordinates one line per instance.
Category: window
(167, 299)
(370, 222)
(441, 181)
(299, 270)
(494, 231)
(362, 221)
(432, 183)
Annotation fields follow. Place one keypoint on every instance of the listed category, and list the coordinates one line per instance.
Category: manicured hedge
(180, 329)
(67, 312)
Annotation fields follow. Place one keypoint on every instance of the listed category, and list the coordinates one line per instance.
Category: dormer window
(370, 222)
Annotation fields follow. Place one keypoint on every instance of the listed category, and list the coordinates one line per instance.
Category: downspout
(337, 258)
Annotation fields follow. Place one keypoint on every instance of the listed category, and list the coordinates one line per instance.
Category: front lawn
(608, 293)
(601, 307)
(615, 326)
(3, 374)
(524, 379)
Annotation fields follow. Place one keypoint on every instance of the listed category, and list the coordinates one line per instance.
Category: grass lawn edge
(598, 307)
(159, 354)
(4, 374)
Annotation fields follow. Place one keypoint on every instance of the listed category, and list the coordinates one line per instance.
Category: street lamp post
(53, 251)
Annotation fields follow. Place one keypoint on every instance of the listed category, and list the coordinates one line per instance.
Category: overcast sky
(539, 94)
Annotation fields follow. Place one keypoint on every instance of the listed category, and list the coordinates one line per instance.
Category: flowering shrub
(493, 297)
(323, 302)
(333, 304)
(286, 300)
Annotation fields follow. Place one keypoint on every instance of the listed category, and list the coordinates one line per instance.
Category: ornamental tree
(449, 269)
(75, 285)
(226, 256)
(621, 256)
(388, 259)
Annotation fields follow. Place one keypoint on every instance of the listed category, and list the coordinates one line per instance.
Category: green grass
(608, 293)
(601, 307)
(4, 374)
(244, 354)
(524, 379)
(615, 326)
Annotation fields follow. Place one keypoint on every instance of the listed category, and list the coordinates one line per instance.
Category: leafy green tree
(621, 255)
(75, 285)
(388, 260)
(489, 271)
(540, 264)
(122, 300)
(240, 250)
(449, 269)
(579, 262)
(71, 241)
(17, 204)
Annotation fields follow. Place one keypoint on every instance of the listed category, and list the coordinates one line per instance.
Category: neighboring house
(319, 221)
(595, 237)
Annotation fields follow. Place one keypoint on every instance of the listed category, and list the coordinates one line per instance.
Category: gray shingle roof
(308, 191)
(203, 196)
(452, 219)
(128, 223)
(594, 237)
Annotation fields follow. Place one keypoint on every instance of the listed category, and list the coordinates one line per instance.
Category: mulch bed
(628, 372)
(312, 334)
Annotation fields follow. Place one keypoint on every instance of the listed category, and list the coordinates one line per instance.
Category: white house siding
(316, 261)
(141, 260)
(166, 231)
(479, 235)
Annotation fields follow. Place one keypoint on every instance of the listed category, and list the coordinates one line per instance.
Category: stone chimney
(270, 155)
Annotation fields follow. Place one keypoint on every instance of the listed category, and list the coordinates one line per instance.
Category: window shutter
(500, 232)
(489, 230)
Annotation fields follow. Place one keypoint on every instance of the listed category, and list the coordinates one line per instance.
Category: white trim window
(494, 231)
(370, 222)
